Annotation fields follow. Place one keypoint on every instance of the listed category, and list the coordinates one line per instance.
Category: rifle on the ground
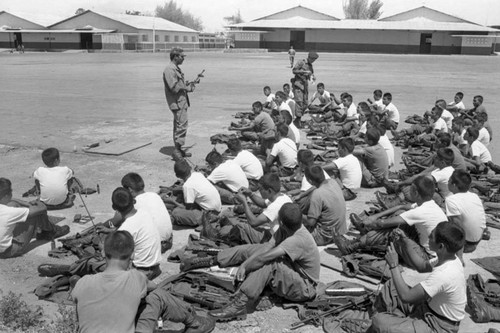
(355, 303)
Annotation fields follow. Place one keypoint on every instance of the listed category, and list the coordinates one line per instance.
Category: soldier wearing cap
(303, 71)
(176, 92)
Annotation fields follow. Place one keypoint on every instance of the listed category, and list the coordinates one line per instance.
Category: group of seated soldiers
(288, 201)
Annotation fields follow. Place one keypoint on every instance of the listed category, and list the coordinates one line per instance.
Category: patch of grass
(16, 314)
(66, 321)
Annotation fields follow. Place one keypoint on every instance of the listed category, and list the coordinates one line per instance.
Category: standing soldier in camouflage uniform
(303, 71)
(176, 90)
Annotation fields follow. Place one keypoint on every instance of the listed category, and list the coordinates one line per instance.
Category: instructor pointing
(176, 90)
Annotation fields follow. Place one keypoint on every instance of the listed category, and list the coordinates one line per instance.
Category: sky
(212, 12)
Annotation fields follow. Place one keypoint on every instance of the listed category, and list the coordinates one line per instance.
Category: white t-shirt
(270, 100)
(392, 112)
(460, 105)
(285, 107)
(197, 189)
(230, 174)
(388, 147)
(363, 128)
(350, 171)
(478, 149)
(425, 218)
(295, 131)
(352, 111)
(250, 164)
(53, 183)
(460, 138)
(442, 176)
(305, 185)
(447, 288)
(470, 209)
(323, 99)
(9, 216)
(447, 117)
(273, 208)
(147, 242)
(286, 151)
(291, 104)
(440, 125)
(484, 137)
(380, 104)
(291, 95)
(152, 203)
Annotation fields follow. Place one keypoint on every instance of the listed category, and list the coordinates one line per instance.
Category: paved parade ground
(69, 100)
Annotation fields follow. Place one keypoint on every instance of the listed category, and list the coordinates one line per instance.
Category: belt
(443, 318)
(150, 268)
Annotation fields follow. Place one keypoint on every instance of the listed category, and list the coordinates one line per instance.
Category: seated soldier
(466, 209)
(424, 214)
(446, 115)
(227, 176)
(287, 119)
(20, 221)
(153, 204)
(457, 105)
(484, 136)
(458, 135)
(247, 161)
(284, 153)
(53, 181)
(109, 301)
(346, 165)
(305, 159)
(281, 103)
(260, 228)
(326, 215)
(323, 98)
(421, 131)
(260, 129)
(147, 244)
(374, 162)
(436, 304)
(269, 103)
(480, 156)
(199, 195)
(288, 264)
(377, 105)
(391, 112)
(477, 109)
(440, 171)
(386, 144)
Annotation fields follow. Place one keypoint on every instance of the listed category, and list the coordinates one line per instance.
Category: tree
(361, 10)
(134, 12)
(80, 11)
(170, 11)
(234, 19)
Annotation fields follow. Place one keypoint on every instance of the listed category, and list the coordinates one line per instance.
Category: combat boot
(391, 187)
(201, 325)
(346, 246)
(208, 231)
(197, 262)
(237, 309)
(357, 222)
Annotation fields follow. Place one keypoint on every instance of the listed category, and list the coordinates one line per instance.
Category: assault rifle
(354, 303)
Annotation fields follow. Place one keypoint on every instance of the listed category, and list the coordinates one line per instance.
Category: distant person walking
(303, 72)
(176, 92)
(291, 55)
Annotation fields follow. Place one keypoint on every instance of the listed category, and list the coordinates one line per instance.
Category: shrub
(16, 314)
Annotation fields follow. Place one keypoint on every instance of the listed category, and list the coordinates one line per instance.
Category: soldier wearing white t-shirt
(424, 215)
(466, 209)
(391, 111)
(284, 152)
(227, 176)
(199, 195)
(436, 304)
(347, 165)
(480, 155)
(259, 229)
(247, 161)
(269, 104)
(153, 204)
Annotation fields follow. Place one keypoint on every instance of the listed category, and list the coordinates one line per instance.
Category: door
(425, 43)
(86, 41)
(298, 39)
(18, 40)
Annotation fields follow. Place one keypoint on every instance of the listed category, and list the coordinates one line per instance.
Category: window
(157, 38)
(185, 39)
(144, 38)
(176, 38)
(193, 39)
(167, 38)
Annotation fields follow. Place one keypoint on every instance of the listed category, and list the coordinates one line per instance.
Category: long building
(94, 31)
(421, 30)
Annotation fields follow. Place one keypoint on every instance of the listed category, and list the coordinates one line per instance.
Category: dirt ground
(72, 100)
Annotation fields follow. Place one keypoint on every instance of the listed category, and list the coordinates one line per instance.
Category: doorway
(425, 43)
(298, 39)
(86, 41)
